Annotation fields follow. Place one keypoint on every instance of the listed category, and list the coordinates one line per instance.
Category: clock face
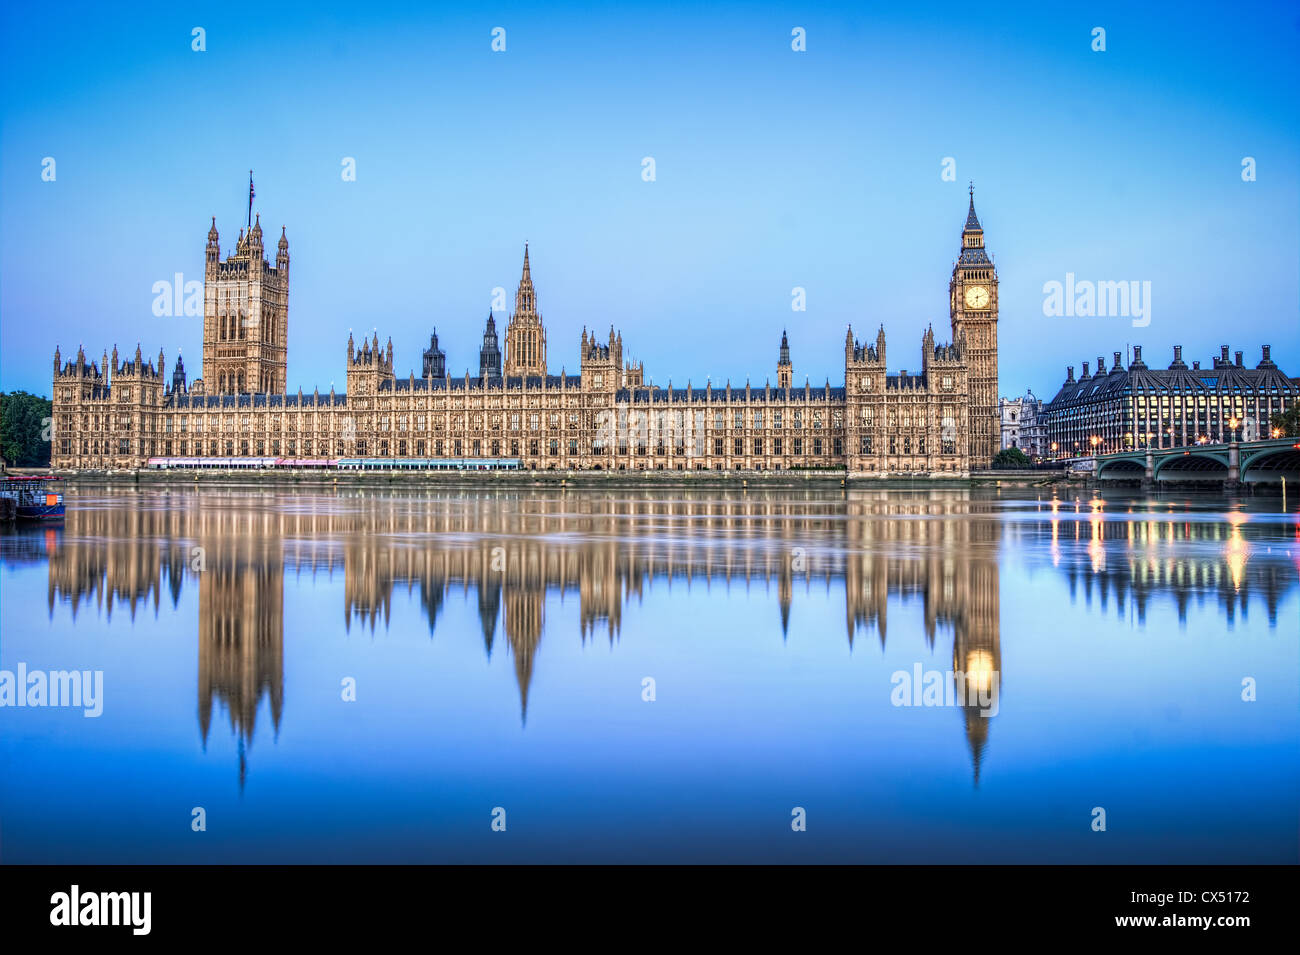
(977, 296)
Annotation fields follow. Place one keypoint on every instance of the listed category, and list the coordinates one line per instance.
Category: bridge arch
(1192, 465)
(1270, 464)
(1127, 467)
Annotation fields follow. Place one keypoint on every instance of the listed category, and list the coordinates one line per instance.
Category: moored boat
(35, 498)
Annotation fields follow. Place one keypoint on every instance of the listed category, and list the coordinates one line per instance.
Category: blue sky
(775, 169)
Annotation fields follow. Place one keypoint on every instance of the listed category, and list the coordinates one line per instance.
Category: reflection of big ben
(939, 550)
(976, 647)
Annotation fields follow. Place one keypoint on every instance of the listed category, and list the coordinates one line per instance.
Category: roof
(453, 383)
(652, 395)
(1138, 379)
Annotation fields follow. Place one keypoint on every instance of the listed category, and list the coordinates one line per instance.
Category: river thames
(670, 675)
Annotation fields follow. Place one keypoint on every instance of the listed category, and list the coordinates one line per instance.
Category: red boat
(37, 498)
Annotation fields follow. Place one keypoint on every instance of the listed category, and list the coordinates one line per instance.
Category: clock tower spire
(973, 306)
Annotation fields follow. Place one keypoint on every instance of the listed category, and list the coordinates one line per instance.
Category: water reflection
(941, 548)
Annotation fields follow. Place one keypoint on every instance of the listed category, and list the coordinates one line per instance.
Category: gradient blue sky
(775, 169)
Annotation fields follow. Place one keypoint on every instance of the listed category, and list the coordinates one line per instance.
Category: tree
(1010, 458)
(24, 429)
(1287, 421)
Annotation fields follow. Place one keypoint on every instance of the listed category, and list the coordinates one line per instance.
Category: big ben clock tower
(973, 304)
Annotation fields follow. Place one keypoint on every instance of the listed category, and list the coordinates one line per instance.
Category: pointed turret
(489, 355)
(435, 359)
(784, 370)
(178, 376)
(213, 252)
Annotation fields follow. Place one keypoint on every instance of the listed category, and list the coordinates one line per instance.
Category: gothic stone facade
(941, 419)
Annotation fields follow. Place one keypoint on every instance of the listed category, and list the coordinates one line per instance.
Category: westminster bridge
(1231, 465)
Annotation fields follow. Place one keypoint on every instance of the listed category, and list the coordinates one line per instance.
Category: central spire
(525, 338)
(526, 296)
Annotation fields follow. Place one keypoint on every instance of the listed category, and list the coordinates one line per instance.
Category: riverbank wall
(574, 479)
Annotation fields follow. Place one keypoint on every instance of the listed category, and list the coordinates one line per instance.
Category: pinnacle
(972, 221)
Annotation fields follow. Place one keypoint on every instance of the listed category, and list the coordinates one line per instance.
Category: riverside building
(939, 419)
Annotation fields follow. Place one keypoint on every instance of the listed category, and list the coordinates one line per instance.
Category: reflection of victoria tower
(241, 626)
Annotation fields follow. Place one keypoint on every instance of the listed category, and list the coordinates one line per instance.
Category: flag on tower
(250, 198)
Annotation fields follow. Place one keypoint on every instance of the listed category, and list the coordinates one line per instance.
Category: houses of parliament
(940, 419)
